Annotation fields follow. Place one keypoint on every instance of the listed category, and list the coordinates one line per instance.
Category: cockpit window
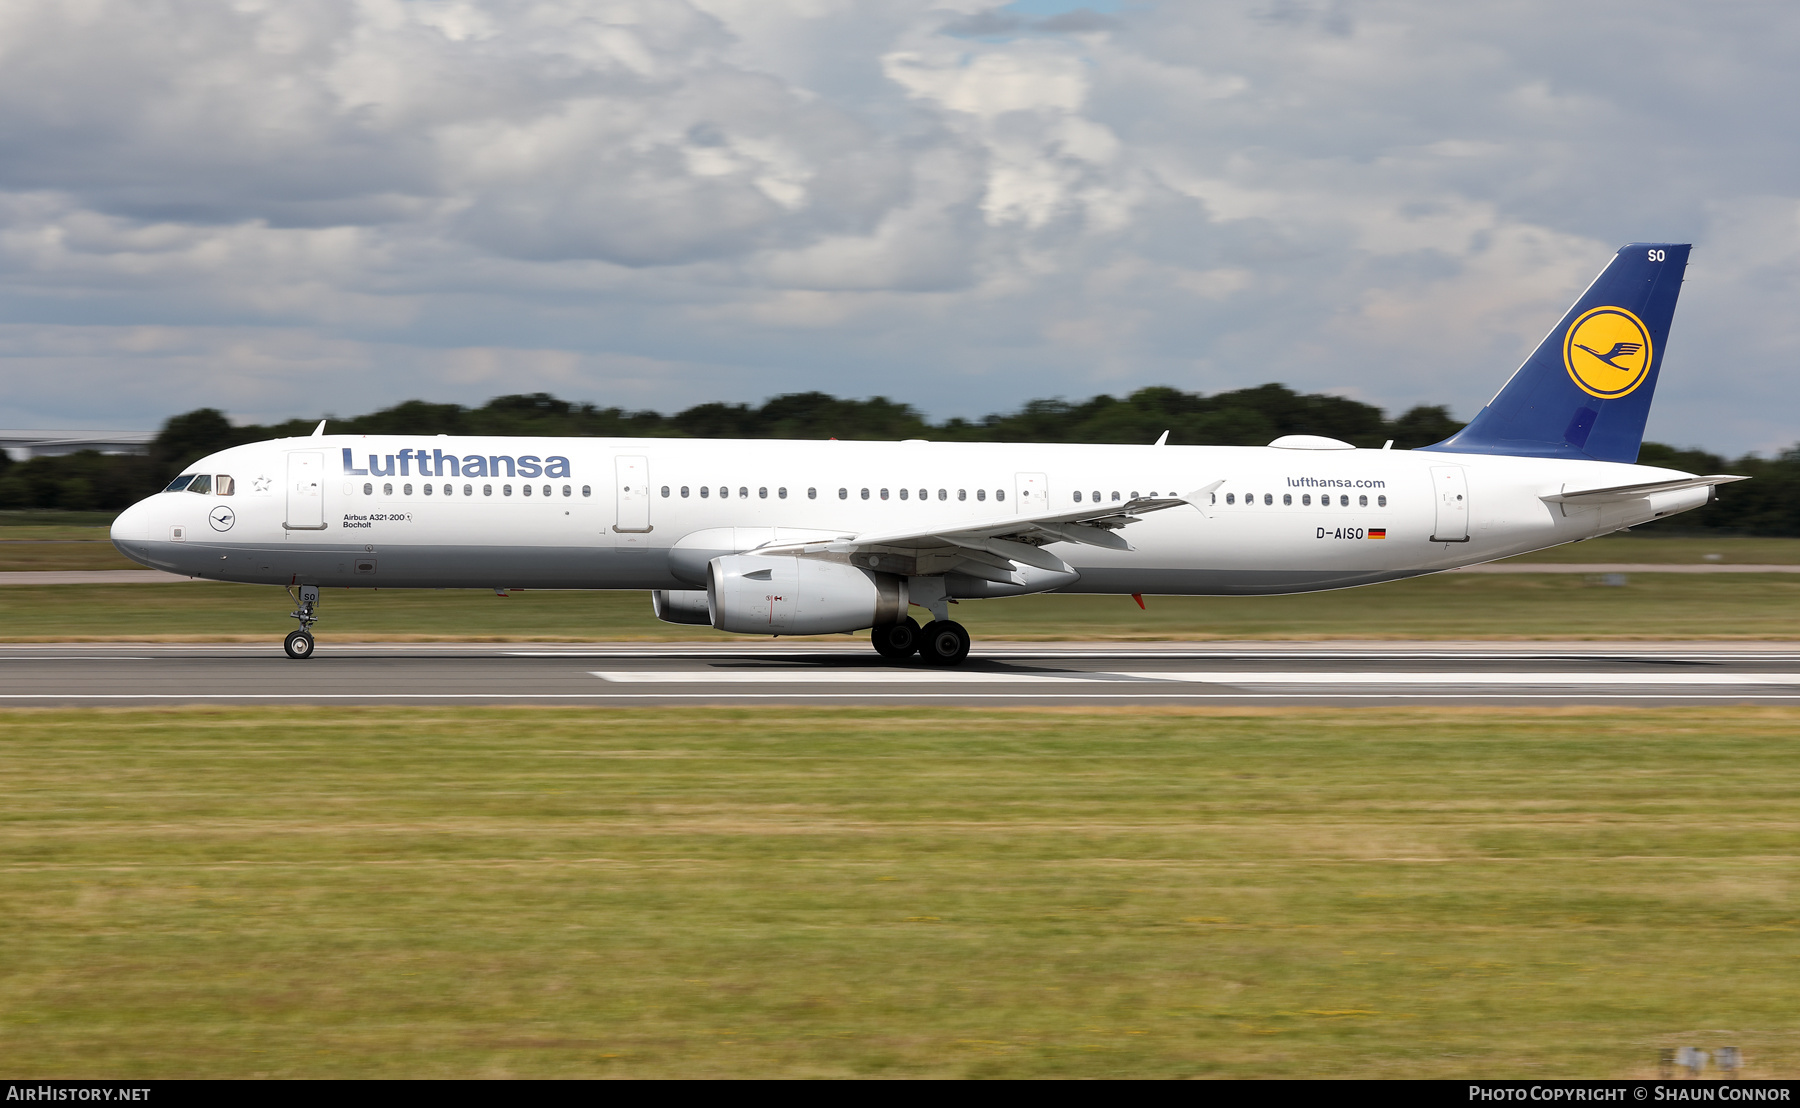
(179, 483)
(201, 484)
(223, 485)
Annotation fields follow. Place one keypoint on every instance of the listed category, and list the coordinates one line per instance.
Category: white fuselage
(610, 513)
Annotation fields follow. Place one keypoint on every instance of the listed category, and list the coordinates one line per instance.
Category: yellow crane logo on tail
(1607, 352)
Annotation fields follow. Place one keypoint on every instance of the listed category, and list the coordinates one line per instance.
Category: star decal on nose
(261, 484)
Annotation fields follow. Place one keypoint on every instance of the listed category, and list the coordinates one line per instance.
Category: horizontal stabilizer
(1634, 492)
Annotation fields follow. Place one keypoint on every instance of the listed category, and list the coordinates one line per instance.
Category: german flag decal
(1378, 532)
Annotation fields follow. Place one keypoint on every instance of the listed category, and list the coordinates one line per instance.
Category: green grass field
(788, 892)
(1463, 606)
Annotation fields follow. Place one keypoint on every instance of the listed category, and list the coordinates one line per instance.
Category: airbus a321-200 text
(808, 538)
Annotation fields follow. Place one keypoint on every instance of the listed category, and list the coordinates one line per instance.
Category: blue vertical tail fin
(1585, 392)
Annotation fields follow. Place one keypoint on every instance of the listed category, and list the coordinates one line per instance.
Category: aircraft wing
(989, 547)
(1634, 492)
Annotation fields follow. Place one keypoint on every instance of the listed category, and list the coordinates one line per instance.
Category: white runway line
(1489, 677)
(774, 676)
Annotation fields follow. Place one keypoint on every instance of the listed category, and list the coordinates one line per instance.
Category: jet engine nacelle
(758, 595)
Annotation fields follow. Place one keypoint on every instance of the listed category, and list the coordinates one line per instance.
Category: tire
(943, 643)
(298, 644)
(896, 641)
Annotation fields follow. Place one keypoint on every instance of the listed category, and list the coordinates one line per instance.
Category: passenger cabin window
(1231, 498)
(487, 490)
(781, 493)
(1381, 501)
(368, 488)
(684, 492)
(865, 494)
(962, 494)
(468, 490)
(1268, 497)
(665, 491)
(812, 493)
(567, 491)
(843, 494)
(202, 483)
(1344, 501)
(884, 494)
(1115, 494)
(1306, 500)
(506, 490)
(903, 494)
(762, 493)
(223, 485)
(924, 494)
(408, 489)
(981, 494)
(428, 489)
(1362, 502)
(999, 494)
(943, 494)
(1287, 498)
(180, 483)
(387, 488)
(588, 490)
(705, 491)
(1077, 496)
(524, 489)
(743, 494)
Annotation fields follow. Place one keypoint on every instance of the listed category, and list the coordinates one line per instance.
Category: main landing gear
(942, 642)
(299, 644)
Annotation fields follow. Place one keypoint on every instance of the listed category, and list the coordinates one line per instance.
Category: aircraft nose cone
(134, 527)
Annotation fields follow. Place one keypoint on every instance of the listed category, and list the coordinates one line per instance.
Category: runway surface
(1030, 674)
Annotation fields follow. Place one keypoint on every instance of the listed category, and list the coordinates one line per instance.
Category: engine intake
(753, 594)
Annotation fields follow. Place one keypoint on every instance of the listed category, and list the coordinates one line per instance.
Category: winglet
(1164, 440)
(319, 431)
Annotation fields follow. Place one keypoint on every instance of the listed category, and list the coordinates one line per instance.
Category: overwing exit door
(1031, 493)
(305, 491)
(631, 484)
(1450, 488)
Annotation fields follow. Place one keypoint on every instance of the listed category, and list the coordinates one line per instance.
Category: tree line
(1769, 505)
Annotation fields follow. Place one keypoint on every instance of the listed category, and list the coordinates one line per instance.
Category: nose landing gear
(299, 644)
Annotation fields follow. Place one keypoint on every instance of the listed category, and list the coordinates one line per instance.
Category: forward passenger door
(305, 490)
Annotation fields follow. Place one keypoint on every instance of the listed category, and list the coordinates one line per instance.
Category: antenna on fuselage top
(1164, 441)
(319, 431)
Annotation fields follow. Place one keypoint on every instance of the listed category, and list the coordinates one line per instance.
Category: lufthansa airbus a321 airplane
(808, 538)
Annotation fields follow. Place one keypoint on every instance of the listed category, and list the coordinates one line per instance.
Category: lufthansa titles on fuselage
(439, 464)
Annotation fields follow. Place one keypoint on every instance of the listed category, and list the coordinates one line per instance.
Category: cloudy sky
(287, 207)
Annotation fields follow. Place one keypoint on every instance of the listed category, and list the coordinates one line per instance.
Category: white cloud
(342, 203)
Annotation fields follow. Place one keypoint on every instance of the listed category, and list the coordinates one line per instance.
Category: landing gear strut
(896, 640)
(943, 642)
(299, 644)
